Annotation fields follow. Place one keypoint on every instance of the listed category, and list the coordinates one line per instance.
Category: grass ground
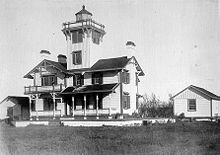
(179, 138)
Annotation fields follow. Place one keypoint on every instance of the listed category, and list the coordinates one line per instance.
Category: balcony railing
(45, 113)
(43, 89)
(92, 112)
(88, 22)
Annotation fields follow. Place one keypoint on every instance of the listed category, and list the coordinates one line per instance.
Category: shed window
(191, 104)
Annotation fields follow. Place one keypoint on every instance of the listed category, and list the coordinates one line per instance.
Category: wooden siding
(87, 78)
(188, 94)
(113, 101)
(131, 88)
(110, 77)
(202, 105)
(202, 108)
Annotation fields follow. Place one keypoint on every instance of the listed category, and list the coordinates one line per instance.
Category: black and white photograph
(109, 77)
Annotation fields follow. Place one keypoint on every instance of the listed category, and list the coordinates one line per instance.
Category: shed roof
(200, 91)
(20, 99)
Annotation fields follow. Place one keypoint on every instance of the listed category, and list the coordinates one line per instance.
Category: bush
(153, 107)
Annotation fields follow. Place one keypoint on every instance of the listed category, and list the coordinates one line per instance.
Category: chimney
(62, 60)
(45, 54)
(130, 48)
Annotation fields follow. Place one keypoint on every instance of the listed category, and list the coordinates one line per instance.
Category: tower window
(77, 37)
(96, 37)
(77, 57)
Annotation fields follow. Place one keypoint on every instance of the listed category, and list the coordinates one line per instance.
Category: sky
(177, 41)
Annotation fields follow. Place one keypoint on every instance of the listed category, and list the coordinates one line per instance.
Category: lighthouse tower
(84, 38)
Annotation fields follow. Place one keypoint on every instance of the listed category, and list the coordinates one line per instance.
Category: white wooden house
(82, 84)
(196, 102)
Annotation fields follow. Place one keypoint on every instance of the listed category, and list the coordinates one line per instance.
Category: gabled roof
(200, 91)
(53, 63)
(20, 99)
(90, 89)
(110, 63)
(83, 11)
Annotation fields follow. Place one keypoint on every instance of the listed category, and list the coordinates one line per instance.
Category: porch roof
(90, 89)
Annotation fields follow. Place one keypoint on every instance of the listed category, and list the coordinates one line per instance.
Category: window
(191, 104)
(97, 78)
(33, 103)
(77, 57)
(125, 77)
(78, 80)
(96, 37)
(126, 100)
(77, 37)
(48, 80)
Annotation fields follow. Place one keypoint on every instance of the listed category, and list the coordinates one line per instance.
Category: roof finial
(83, 7)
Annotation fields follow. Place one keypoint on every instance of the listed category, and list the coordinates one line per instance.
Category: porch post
(73, 105)
(36, 102)
(97, 106)
(53, 103)
(84, 106)
(30, 107)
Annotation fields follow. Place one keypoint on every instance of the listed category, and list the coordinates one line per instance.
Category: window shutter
(78, 58)
(128, 102)
(82, 80)
(74, 37)
(80, 37)
(74, 80)
(128, 78)
(123, 77)
(74, 58)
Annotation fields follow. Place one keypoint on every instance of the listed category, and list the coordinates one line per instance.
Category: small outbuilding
(14, 107)
(196, 102)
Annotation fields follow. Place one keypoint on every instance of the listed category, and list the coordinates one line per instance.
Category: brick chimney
(130, 49)
(45, 54)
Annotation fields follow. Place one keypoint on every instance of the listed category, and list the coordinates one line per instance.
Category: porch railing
(91, 112)
(45, 113)
(43, 89)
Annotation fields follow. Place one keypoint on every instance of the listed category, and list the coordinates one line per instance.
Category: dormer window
(77, 57)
